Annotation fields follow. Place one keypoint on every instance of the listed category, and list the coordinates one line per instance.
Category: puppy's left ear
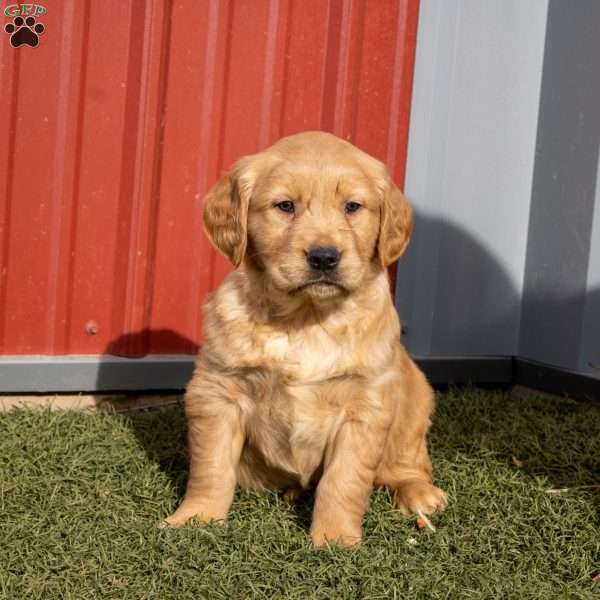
(395, 225)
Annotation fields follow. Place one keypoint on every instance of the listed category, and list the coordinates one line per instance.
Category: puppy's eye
(286, 206)
(352, 207)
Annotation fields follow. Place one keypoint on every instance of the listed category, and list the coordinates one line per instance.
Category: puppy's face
(313, 213)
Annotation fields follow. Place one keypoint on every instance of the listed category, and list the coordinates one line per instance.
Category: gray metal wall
(502, 170)
(560, 319)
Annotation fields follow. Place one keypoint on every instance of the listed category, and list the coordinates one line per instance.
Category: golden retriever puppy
(302, 380)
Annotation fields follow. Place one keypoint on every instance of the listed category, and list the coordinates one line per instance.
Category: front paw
(330, 534)
(187, 511)
(419, 497)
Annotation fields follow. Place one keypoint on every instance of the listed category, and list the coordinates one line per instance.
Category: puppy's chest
(290, 426)
(313, 355)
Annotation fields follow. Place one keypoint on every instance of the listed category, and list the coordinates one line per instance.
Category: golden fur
(302, 380)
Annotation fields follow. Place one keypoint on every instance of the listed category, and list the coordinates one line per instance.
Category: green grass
(81, 495)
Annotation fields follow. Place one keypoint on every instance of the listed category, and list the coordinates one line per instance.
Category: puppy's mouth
(320, 287)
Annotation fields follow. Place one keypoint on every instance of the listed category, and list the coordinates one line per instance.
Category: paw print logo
(24, 31)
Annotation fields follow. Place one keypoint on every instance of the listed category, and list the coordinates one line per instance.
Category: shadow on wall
(135, 345)
(169, 371)
(455, 298)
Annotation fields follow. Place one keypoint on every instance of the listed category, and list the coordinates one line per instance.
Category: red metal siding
(121, 119)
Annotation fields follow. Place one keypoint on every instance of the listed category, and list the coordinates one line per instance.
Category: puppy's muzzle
(323, 258)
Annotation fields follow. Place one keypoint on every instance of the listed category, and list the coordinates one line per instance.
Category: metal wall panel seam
(7, 232)
(58, 217)
(77, 158)
(204, 174)
(157, 159)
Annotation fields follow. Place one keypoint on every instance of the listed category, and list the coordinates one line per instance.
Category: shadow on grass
(162, 434)
(160, 431)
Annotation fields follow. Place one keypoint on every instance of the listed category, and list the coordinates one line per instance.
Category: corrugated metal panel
(117, 124)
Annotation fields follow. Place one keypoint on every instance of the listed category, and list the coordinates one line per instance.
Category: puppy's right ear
(226, 215)
(395, 227)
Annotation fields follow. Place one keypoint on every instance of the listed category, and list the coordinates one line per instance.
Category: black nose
(323, 258)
